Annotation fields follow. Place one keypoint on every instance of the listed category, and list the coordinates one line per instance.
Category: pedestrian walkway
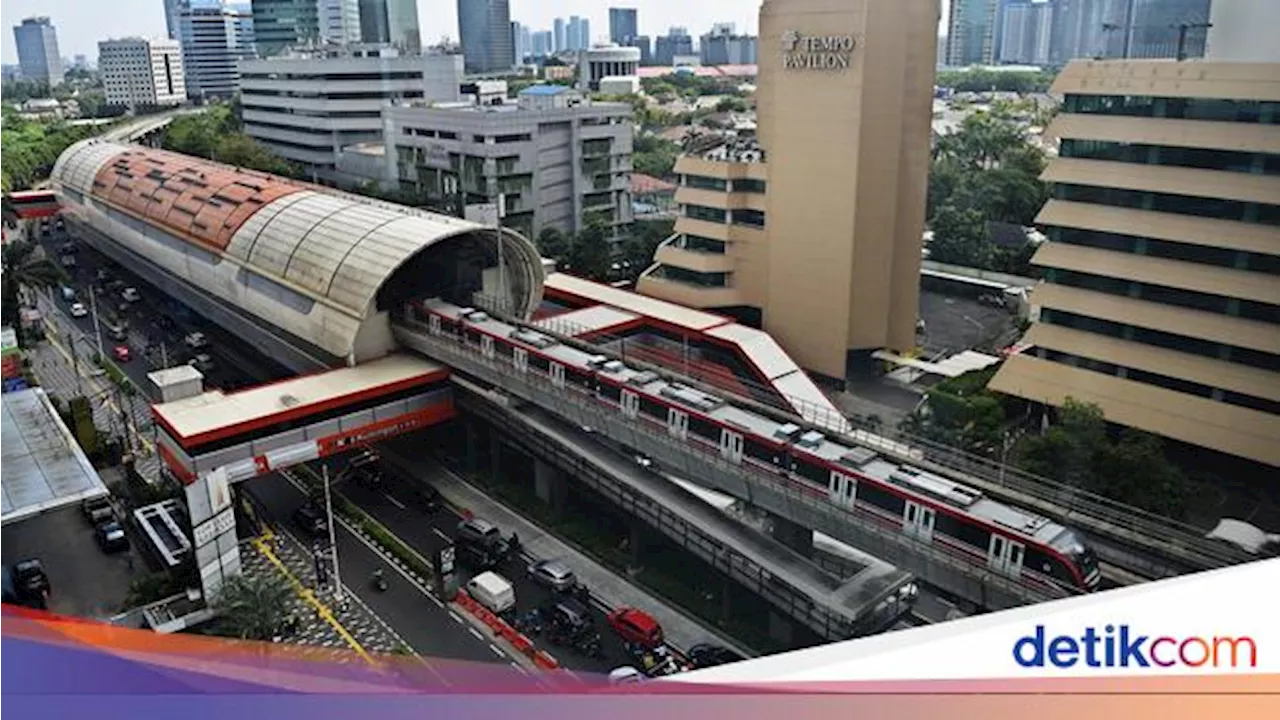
(349, 625)
(612, 589)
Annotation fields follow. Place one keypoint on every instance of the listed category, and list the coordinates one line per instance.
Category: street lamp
(333, 544)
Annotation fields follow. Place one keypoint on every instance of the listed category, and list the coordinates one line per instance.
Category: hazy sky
(82, 23)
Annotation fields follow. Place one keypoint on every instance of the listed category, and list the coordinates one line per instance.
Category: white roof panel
(760, 348)
(586, 320)
(44, 467)
(649, 307)
(215, 410)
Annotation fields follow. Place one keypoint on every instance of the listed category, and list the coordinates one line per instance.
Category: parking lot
(955, 324)
(84, 580)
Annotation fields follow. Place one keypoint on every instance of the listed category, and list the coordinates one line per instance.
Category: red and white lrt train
(954, 518)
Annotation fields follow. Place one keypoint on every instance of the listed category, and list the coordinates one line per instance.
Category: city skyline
(82, 23)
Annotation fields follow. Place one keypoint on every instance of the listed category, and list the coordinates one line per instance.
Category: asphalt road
(421, 620)
(427, 533)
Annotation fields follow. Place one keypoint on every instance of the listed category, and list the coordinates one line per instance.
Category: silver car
(553, 574)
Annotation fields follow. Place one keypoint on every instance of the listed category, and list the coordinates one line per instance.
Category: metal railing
(1177, 546)
(770, 491)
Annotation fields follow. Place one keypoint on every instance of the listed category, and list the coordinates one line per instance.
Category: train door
(677, 423)
(520, 359)
(917, 520)
(630, 404)
(842, 490)
(1005, 555)
(433, 324)
(731, 446)
(557, 374)
(486, 346)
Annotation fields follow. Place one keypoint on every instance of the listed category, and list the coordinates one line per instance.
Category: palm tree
(253, 607)
(25, 265)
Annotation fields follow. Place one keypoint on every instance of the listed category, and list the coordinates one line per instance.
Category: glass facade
(1200, 254)
(1163, 202)
(1245, 162)
(699, 182)
(690, 277)
(1244, 111)
(701, 212)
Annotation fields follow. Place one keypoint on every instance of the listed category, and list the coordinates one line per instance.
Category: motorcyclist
(377, 578)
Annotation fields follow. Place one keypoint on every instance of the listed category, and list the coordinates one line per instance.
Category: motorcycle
(589, 645)
(379, 581)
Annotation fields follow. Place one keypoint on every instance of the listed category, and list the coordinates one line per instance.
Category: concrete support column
(795, 536)
(635, 544)
(550, 485)
(473, 446)
(495, 456)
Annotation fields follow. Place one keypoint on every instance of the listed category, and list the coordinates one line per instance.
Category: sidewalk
(614, 590)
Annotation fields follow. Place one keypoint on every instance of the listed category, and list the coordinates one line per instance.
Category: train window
(759, 450)
(704, 428)
(538, 362)
(883, 499)
(610, 392)
(811, 470)
(962, 530)
(1039, 561)
(503, 348)
(577, 377)
(653, 408)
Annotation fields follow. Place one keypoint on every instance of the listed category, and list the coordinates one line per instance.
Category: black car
(707, 655)
(477, 557)
(31, 583)
(568, 619)
(97, 510)
(111, 537)
(311, 520)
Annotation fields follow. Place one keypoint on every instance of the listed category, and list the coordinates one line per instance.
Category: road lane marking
(441, 534)
(457, 618)
(476, 632)
(309, 597)
(517, 666)
(497, 651)
(394, 501)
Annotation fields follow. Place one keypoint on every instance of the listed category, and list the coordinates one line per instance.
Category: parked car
(67, 248)
(705, 655)
(202, 362)
(31, 583)
(311, 520)
(477, 557)
(567, 619)
(131, 295)
(626, 675)
(68, 293)
(196, 340)
(117, 331)
(111, 537)
(78, 310)
(482, 533)
(121, 353)
(636, 626)
(426, 497)
(97, 510)
(553, 574)
(492, 591)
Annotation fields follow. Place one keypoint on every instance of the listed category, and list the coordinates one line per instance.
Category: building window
(1201, 158)
(519, 137)
(754, 218)
(702, 182)
(697, 243)
(1220, 304)
(690, 277)
(748, 185)
(1200, 254)
(701, 212)
(1245, 111)
(1161, 202)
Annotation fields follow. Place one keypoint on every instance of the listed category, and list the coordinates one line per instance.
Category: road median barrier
(503, 629)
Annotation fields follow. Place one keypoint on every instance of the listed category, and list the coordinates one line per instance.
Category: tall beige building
(816, 232)
(1161, 301)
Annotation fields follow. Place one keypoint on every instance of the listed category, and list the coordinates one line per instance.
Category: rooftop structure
(44, 467)
(1160, 302)
(319, 268)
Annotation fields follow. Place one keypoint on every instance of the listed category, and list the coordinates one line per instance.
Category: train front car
(1084, 563)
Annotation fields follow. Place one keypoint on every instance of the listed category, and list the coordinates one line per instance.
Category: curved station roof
(336, 250)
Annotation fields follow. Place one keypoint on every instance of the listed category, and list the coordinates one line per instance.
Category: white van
(492, 591)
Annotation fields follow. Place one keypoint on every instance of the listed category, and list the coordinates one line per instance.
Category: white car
(78, 310)
(626, 676)
(131, 295)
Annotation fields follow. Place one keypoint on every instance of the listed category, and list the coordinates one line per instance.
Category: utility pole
(75, 362)
(500, 209)
(333, 544)
(97, 327)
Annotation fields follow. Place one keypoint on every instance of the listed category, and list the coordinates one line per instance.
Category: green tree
(554, 243)
(253, 607)
(732, 104)
(1136, 472)
(25, 266)
(591, 255)
(960, 238)
(654, 155)
(642, 243)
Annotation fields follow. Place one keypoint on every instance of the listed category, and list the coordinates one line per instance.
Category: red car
(636, 626)
(121, 352)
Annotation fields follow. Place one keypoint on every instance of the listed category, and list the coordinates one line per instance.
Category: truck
(492, 591)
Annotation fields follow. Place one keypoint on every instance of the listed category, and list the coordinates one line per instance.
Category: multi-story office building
(172, 13)
(391, 22)
(675, 43)
(578, 33)
(1026, 28)
(815, 234)
(338, 21)
(559, 35)
(623, 25)
(308, 105)
(484, 27)
(971, 32)
(1161, 300)
(723, 46)
(557, 158)
(37, 43)
(214, 38)
(1238, 36)
(137, 72)
(641, 43)
(543, 43)
(281, 24)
